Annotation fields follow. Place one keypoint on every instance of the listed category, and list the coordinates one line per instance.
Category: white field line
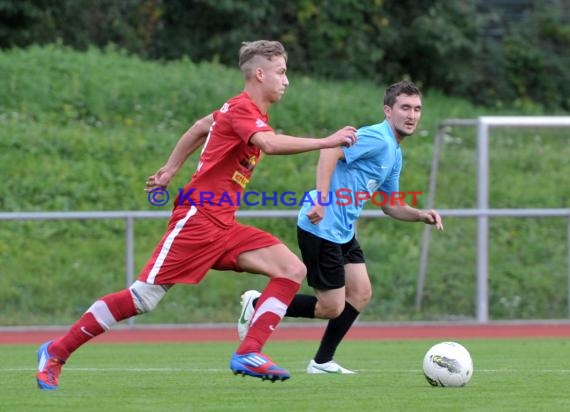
(225, 370)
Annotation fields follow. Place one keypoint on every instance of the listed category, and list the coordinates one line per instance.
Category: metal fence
(482, 213)
(484, 126)
(130, 217)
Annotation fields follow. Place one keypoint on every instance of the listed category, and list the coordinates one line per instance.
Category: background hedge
(492, 52)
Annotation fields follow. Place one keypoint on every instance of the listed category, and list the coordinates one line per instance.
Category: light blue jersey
(373, 164)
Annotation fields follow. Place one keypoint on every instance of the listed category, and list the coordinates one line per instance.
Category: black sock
(302, 306)
(335, 331)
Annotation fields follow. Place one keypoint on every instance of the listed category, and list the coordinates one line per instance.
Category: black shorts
(325, 260)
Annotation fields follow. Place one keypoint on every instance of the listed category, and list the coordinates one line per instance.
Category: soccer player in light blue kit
(346, 178)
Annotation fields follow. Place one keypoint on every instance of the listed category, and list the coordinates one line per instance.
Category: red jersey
(227, 160)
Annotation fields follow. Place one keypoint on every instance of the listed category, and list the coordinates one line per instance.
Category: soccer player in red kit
(202, 232)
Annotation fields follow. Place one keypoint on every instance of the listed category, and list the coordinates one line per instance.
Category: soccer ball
(448, 364)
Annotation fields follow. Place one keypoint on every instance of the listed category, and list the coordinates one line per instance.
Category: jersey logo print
(372, 185)
(84, 330)
(260, 123)
(240, 179)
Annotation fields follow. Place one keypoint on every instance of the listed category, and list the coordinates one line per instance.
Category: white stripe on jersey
(168, 244)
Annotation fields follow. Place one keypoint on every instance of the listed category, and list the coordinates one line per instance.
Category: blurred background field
(114, 120)
(83, 124)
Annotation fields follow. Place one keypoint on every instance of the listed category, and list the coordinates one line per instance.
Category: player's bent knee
(147, 296)
(293, 269)
(368, 296)
(335, 312)
(360, 298)
(330, 311)
(365, 296)
(297, 272)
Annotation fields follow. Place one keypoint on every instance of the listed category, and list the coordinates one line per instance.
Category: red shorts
(192, 245)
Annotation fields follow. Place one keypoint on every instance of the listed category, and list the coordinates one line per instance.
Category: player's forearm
(281, 144)
(328, 159)
(403, 212)
(191, 140)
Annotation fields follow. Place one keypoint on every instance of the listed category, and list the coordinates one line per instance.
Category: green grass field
(510, 375)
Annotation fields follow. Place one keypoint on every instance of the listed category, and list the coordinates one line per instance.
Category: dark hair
(403, 87)
(264, 48)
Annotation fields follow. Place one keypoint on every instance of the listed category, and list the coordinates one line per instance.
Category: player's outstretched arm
(280, 144)
(411, 214)
(191, 140)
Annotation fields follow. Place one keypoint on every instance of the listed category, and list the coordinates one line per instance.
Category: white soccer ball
(448, 364)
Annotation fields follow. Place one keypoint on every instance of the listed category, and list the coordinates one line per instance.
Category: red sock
(99, 318)
(270, 309)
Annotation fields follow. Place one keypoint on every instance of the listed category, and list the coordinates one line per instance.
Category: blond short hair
(263, 48)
